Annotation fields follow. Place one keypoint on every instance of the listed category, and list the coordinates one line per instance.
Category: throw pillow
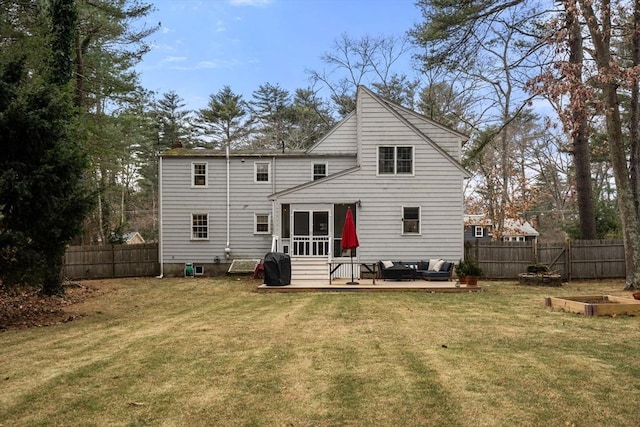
(438, 265)
(432, 263)
(387, 264)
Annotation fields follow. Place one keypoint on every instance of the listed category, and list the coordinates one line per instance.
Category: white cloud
(254, 3)
(174, 59)
(220, 27)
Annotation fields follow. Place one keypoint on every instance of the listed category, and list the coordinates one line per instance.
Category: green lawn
(214, 352)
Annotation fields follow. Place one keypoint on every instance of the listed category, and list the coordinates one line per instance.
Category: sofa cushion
(432, 263)
(438, 265)
(387, 264)
(446, 266)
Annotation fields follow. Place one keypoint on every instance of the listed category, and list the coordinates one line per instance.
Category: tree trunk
(52, 281)
(580, 130)
(601, 37)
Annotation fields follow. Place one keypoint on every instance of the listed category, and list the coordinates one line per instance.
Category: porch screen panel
(339, 214)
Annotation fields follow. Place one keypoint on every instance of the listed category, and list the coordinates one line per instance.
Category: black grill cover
(277, 269)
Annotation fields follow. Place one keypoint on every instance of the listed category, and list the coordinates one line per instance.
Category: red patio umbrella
(349, 239)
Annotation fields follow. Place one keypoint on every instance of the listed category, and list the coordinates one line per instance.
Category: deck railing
(311, 245)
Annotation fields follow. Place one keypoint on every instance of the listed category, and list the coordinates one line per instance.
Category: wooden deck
(367, 285)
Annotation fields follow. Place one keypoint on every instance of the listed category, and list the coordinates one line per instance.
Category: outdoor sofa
(433, 269)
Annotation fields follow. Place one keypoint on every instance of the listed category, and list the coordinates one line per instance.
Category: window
(262, 224)
(319, 171)
(410, 220)
(262, 171)
(479, 231)
(198, 174)
(395, 160)
(199, 226)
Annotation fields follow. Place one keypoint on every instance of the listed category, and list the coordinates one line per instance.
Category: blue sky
(204, 45)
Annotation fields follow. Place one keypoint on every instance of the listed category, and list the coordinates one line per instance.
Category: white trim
(476, 233)
(191, 226)
(395, 160)
(419, 233)
(255, 172)
(313, 166)
(206, 175)
(255, 223)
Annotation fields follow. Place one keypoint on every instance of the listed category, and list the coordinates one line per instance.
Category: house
(477, 227)
(398, 171)
(132, 238)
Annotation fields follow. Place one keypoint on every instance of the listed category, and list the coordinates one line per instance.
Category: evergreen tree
(42, 197)
(224, 120)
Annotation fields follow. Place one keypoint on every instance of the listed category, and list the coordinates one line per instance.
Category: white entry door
(311, 233)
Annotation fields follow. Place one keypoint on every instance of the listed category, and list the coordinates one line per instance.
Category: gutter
(227, 249)
(160, 243)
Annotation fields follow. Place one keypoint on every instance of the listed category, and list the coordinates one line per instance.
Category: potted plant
(461, 271)
(473, 273)
(468, 272)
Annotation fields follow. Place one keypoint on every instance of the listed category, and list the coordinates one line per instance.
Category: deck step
(309, 270)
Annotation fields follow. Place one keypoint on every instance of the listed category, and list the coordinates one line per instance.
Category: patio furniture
(396, 270)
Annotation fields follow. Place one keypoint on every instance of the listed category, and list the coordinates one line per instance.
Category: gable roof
(399, 112)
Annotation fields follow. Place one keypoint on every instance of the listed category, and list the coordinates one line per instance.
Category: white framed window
(199, 226)
(478, 231)
(411, 220)
(395, 160)
(319, 171)
(262, 223)
(199, 174)
(262, 172)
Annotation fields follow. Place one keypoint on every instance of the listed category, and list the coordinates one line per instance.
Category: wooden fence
(110, 261)
(573, 259)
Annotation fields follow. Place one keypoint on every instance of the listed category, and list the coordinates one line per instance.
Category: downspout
(160, 242)
(275, 241)
(227, 249)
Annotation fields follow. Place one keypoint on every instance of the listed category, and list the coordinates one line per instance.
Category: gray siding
(247, 198)
(341, 139)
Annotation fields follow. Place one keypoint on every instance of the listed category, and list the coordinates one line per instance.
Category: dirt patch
(26, 308)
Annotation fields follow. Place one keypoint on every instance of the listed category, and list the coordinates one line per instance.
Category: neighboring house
(478, 228)
(132, 238)
(398, 171)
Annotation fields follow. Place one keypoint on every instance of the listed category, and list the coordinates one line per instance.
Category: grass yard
(214, 352)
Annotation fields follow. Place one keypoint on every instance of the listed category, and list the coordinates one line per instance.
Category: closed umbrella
(349, 239)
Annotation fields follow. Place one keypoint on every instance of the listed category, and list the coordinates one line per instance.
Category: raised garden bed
(533, 279)
(595, 305)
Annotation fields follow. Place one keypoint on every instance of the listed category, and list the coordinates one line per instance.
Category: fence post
(113, 261)
(569, 259)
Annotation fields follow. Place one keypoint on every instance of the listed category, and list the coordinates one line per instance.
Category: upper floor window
(319, 170)
(411, 220)
(262, 224)
(262, 171)
(395, 160)
(198, 174)
(199, 226)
